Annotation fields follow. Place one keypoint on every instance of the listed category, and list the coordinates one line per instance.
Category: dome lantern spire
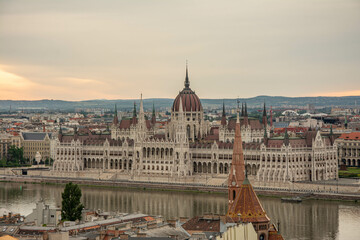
(187, 82)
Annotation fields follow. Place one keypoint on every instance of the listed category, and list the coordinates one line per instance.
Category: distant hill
(166, 103)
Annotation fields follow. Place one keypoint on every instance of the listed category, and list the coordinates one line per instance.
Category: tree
(71, 205)
(16, 155)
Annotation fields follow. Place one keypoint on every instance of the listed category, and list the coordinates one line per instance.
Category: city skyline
(117, 49)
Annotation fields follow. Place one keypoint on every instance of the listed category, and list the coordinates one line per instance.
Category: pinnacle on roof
(345, 118)
(237, 113)
(223, 118)
(134, 111)
(264, 111)
(153, 117)
(237, 169)
(115, 120)
(286, 137)
(153, 110)
(181, 110)
(187, 82)
(331, 130)
(141, 111)
(223, 111)
(265, 133)
(246, 113)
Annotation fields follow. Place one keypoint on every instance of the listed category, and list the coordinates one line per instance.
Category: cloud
(117, 49)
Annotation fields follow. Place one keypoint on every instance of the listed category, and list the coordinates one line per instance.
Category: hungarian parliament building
(190, 146)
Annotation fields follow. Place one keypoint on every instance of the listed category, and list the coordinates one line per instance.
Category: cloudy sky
(115, 49)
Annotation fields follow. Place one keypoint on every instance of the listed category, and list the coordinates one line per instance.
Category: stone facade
(34, 142)
(137, 147)
(349, 149)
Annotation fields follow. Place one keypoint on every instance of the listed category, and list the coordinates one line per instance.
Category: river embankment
(186, 187)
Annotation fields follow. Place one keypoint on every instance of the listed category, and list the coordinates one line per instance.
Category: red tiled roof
(254, 124)
(126, 123)
(202, 224)
(350, 136)
(190, 101)
(248, 205)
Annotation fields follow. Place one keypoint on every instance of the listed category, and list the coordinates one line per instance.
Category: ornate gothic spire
(286, 138)
(153, 117)
(264, 111)
(264, 116)
(116, 119)
(246, 119)
(187, 82)
(223, 118)
(237, 171)
(134, 110)
(134, 120)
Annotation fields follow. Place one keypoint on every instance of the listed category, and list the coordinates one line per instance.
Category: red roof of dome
(190, 100)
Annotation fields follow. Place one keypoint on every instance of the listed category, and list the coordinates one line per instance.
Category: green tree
(16, 155)
(71, 205)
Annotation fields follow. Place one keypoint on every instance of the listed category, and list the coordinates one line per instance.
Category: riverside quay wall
(339, 191)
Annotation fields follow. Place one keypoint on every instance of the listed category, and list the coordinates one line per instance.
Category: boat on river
(292, 199)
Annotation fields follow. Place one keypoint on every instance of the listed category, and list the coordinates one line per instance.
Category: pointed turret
(237, 171)
(242, 109)
(265, 136)
(223, 118)
(346, 122)
(246, 118)
(180, 127)
(134, 120)
(141, 111)
(331, 135)
(153, 117)
(331, 130)
(244, 205)
(141, 127)
(116, 119)
(264, 116)
(187, 82)
(271, 117)
(286, 138)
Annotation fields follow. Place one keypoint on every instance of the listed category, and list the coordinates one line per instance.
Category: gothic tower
(237, 171)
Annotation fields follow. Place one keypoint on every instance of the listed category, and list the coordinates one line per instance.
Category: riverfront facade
(188, 145)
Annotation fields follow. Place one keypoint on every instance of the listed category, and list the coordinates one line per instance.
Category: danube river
(310, 219)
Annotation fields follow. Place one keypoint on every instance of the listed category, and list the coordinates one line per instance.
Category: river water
(311, 219)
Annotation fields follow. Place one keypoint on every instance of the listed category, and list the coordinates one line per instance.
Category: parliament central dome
(190, 101)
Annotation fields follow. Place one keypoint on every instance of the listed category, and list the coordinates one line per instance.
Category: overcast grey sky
(113, 49)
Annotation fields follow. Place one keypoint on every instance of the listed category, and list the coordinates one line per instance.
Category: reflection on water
(308, 220)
